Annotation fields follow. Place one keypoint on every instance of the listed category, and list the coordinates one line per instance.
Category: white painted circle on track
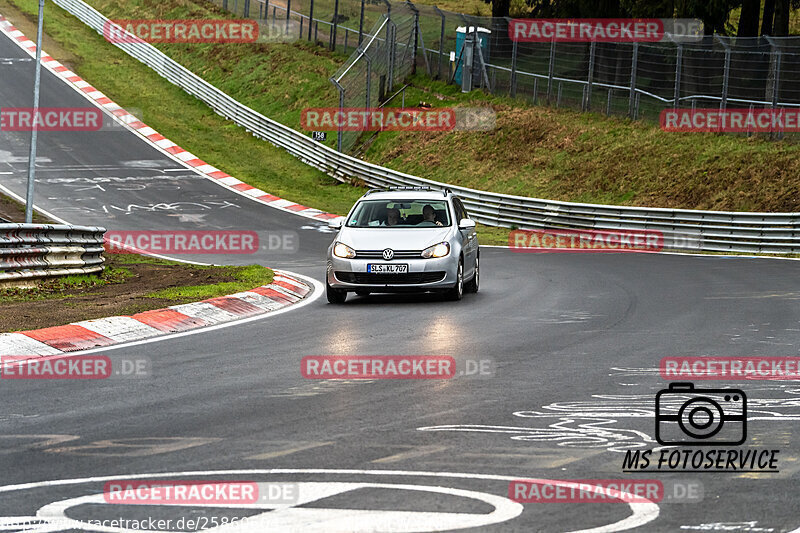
(289, 518)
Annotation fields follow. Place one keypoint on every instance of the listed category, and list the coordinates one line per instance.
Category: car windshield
(400, 214)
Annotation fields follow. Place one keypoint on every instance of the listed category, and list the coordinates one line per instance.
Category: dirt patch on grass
(122, 290)
(14, 211)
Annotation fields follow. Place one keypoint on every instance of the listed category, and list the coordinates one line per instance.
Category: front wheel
(335, 296)
(474, 284)
(457, 292)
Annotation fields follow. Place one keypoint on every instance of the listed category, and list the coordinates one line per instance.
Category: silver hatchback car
(404, 239)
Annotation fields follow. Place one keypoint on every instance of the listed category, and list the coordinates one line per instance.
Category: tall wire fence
(637, 80)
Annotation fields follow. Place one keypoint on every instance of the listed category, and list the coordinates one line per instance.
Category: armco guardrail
(683, 229)
(48, 250)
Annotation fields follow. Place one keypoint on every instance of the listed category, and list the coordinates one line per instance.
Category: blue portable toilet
(483, 36)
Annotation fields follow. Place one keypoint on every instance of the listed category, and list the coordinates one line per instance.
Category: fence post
(341, 110)
(262, 12)
(310, 19)
(608, 103)
(513, 81)
(723, 104)
(361, 25)
(678, 69)
(550, 69)
(558, 97)
(775, 75)
(246, 8)
(441, 43)
(389, 46)
(288, 14)
(369, 76)
(634, 67)
(225, 5)
(335, 22)
(587, 101)
(413, 8)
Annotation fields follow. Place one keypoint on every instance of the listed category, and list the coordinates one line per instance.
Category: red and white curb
(284, 290)
(155, 139)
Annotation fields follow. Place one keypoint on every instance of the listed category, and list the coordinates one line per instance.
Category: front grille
(398, 254)
(366, 278)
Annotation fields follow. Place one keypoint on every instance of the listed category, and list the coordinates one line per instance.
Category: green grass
(247, 278)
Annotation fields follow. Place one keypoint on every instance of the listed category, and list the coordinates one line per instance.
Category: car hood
(394, 238)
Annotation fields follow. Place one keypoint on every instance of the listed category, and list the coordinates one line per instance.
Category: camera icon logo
(700, 417)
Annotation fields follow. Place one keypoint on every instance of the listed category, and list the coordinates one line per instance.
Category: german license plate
(387, 269)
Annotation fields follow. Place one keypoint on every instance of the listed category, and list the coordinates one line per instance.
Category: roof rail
(444, 191)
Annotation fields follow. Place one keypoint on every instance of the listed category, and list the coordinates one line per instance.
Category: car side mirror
(466, 223)
(335, 223)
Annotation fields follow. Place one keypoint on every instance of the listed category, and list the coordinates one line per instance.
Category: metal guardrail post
(587, 100)
(341, 109)
(723, 104)
(246, 11)
(608, 103)
(34, 130)
(335, 23)
(361, 24)
(775, 75)
(678, 70)
(369, 77)
(390, 36)
(441, 42)
(310, 19)
(512, 90)
(416, 37)
(288, 14)
(225, 5)
(634, 68)
(550, 69)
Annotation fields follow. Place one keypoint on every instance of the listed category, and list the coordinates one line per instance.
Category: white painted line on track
(642, 512)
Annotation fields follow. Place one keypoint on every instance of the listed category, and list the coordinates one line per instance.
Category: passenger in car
(429, 215)
(392, 216)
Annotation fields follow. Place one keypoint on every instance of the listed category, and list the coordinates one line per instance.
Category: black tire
(474, 284)
(362, 292)
(457, 292)
(335, 296)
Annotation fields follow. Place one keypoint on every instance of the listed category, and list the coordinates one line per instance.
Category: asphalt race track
(576, 340)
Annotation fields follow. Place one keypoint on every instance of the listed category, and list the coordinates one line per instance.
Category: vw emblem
(388, 254)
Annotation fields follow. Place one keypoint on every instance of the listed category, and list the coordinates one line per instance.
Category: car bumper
(423, 275)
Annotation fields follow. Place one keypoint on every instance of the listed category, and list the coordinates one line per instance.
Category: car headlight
(344, 251)
(437, 250)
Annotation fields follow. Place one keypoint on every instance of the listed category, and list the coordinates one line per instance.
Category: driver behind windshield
(429, 215)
